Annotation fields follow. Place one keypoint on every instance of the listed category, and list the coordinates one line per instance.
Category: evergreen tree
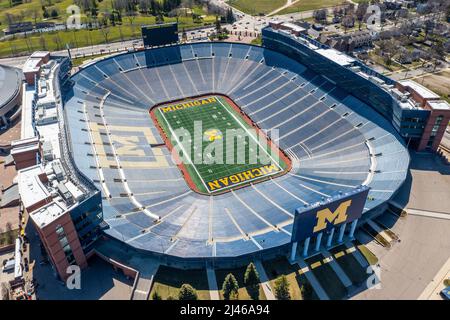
(282, 288)
(187, 292)
(230, 287)
(156, 296)
(251, 277)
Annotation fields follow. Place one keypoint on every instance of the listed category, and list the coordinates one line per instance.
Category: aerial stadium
(120, 114)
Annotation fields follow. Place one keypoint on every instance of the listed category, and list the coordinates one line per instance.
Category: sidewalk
(212, 284)
(264, 281)
(432, 291)
(312, 280)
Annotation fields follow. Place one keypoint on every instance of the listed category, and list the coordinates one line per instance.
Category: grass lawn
(349, 264)
(257, 41)
(306, 5)
(19, 45)
(83, 38)
(327, 277)
(277, 267)
(255, 7)
(4, 237)
(168, 281)
(438, 82)
(80, 60)
(370, 257)
(239, 275)
(27, 9)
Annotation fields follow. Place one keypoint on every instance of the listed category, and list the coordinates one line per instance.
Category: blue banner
(330, 213)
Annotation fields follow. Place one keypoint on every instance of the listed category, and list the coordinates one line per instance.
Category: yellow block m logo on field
(326, 215)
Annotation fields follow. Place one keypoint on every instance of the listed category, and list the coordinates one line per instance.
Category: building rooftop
(336, 56)
(421, 90)
(439, 105)
(31, 188)
(293, 26)
(47, 214)
(32, 65)
(27, 128)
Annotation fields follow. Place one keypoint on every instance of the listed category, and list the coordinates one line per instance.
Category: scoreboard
(160, 34)
(322, 216)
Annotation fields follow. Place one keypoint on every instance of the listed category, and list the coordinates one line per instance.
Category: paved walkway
(432, 291)
(312, 279)
(264, 281)
(380, 231)
(430, 214)
(358, 256)
(336, 268)
(212, 284)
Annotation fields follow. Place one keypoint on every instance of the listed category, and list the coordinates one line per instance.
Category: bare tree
(105, 32)
(348, 22)
(361, 13)
(320, 15)
(4, 291)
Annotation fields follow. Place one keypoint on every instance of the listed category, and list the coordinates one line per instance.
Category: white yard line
(254, 139)
(184, 151)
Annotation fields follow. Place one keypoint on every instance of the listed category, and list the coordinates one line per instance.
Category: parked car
(9, 266)
(445, 293)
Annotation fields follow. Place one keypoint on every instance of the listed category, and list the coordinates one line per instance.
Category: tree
(187, 292)
(156, 296)
(218, 26)
(361, 12)
(282, 288)
(348, 22)
(54, 13)
(230, 287)
(230, 15)
(9, 233)
(251, 277)
(105, 31)
(4, 292)
(320, 15)
(251, 281)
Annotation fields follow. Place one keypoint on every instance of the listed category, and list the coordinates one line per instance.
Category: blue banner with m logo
(330, 213)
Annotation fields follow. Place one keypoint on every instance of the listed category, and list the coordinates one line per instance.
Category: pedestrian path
(264, 281)
(312, 280)
(336, 268)
(433, 289)
(212, 283)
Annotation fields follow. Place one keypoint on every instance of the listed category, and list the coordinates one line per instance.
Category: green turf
(255, 7)
(303, 5)
(217, 114)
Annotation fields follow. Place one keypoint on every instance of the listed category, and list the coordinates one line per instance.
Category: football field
(218, 148)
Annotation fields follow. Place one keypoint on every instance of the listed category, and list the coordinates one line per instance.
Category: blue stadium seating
(334, 138)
